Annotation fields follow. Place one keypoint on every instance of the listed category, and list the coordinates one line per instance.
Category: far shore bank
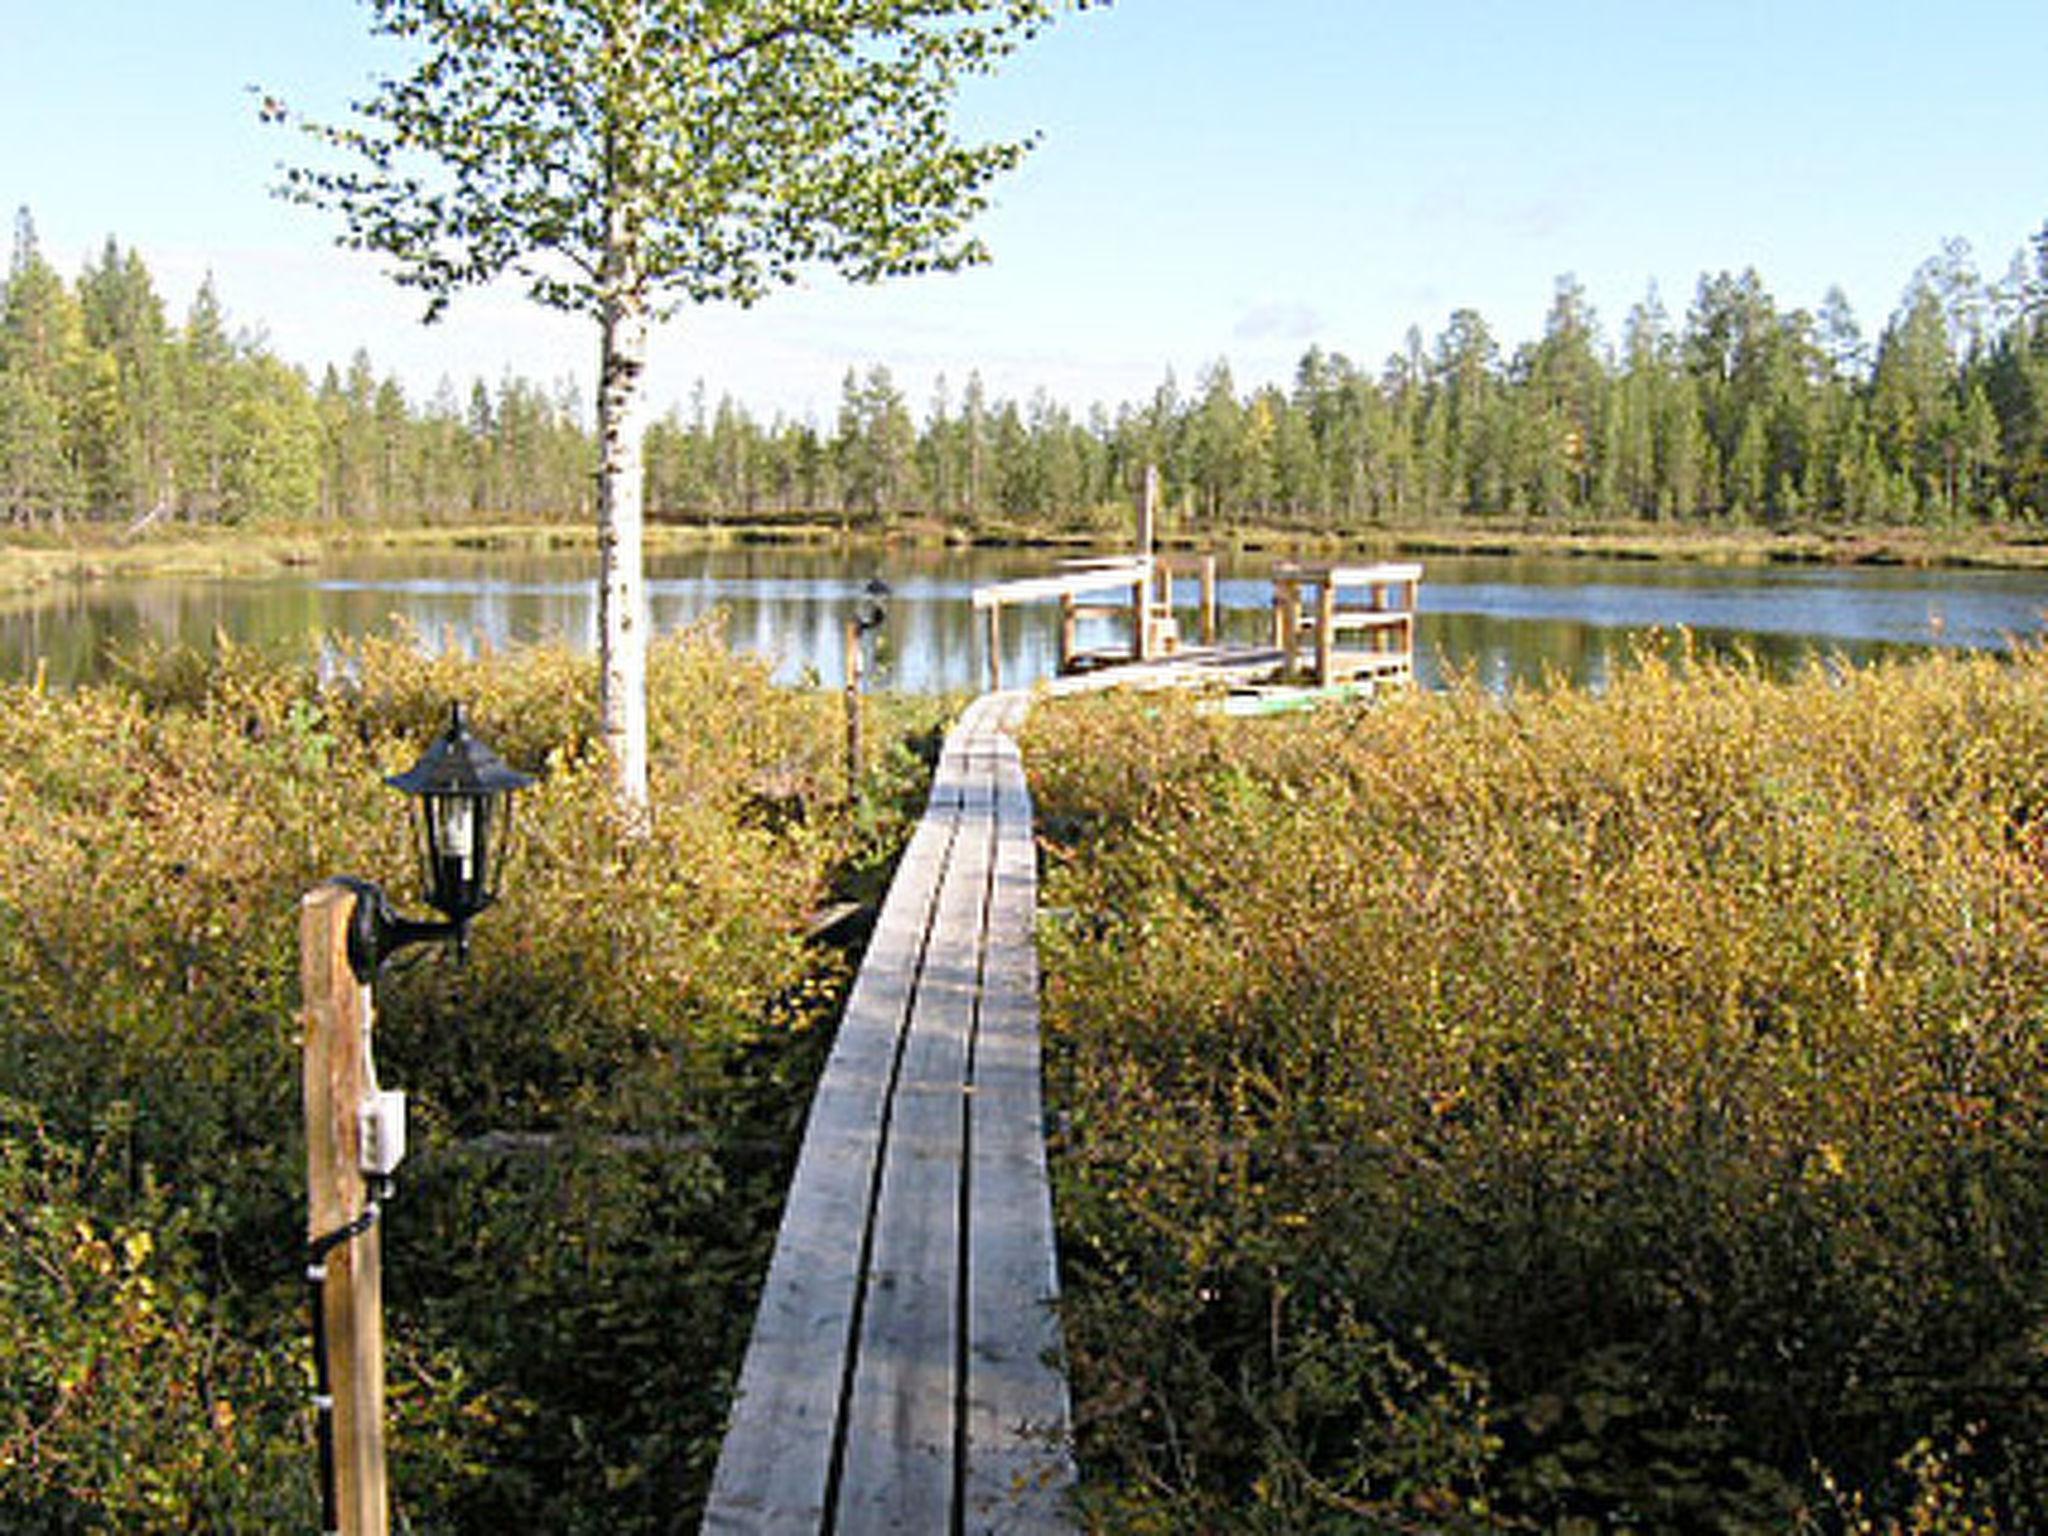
(32, 561)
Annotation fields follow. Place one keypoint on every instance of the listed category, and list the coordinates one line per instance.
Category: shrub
(1559, 1112)
(604, 1101)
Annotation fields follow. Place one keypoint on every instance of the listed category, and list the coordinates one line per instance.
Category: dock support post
(1286, 622)
(1148, 511)
(337, 1019)
(1208, 600)
(1142, 648)
(1326, 632)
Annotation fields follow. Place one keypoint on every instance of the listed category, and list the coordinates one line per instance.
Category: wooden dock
(1320, 636)
(903, 1370)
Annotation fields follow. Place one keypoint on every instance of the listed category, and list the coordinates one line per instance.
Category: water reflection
(1506, 622)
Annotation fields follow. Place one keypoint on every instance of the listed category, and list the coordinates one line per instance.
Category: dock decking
(902, 1372)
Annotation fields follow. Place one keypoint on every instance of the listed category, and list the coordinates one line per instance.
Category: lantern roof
(459, 764)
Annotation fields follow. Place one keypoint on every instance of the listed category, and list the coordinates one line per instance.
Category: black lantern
(464, 827)
(872, 611)
(465, 820)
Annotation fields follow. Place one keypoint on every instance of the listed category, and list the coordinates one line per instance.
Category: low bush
(604, 1100)
(1559, 1112)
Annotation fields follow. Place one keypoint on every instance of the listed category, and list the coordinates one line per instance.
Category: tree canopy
(623, 158)
(729, 146)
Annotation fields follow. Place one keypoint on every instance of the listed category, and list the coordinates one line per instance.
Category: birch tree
(624, 159)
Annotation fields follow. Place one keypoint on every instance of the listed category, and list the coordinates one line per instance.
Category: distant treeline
(108, 412)
(1737, 411)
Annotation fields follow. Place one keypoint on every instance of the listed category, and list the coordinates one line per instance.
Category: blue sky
(1218, 179)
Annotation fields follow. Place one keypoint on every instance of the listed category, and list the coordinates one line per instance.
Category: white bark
(622, 591)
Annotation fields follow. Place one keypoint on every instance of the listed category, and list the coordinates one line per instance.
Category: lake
(1508, 621)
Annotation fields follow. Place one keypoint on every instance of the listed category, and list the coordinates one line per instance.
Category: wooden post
(1326, 630)
(1208, 599)
(1148, 511)
(853, 722)
(1148, 533)
(339, 1078)
(1286, 622)
(995, 647)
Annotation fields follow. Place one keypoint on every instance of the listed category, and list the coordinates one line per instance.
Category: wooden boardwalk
(902, 1372)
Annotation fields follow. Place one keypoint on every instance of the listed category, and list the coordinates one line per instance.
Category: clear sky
(1218, 179)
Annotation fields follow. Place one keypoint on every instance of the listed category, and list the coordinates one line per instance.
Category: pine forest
(1739, 410)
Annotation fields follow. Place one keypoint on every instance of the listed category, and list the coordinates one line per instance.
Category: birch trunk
(622, 593)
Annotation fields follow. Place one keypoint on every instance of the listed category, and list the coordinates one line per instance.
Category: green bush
(604, 1100)
(1617, 1112)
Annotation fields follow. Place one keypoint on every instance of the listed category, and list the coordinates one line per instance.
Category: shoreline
(39, 561)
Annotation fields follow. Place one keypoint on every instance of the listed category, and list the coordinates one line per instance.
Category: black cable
(323, 1390)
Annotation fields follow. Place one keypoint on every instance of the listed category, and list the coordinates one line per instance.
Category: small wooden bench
(902, 1374)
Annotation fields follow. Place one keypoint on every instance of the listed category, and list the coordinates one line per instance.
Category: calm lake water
(1510, 620)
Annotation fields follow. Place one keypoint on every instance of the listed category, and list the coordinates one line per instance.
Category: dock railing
(1311, 614)
(1129, 575)
(1145, 588)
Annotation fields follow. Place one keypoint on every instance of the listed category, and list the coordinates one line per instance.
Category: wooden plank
(1362, 618)
(1107, 576)
(775, 1466)
(1289, 620)
(914, 1371)
(1326, 614)
(1019, 1466)
(898, 1467)
(1382, 574)
(1385, 574)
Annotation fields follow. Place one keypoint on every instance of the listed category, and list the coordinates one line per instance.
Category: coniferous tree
(42, 357)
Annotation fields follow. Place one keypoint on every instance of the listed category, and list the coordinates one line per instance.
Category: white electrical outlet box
(381, 1124)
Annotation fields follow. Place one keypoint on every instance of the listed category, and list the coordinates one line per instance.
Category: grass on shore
(31, 560)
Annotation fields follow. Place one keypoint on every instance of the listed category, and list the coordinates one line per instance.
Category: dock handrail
(1386, 617)
(1129, 574)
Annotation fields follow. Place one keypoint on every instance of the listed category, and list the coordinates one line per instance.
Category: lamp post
(355, 1131)
(867, 616)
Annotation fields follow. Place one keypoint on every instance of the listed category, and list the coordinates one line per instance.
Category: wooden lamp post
(868, 615)
(355, 1131)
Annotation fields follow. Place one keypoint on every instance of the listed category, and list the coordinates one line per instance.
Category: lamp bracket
(377, 930)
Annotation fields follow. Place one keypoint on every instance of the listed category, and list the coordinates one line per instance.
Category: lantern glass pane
(498, 821)
(458, 835)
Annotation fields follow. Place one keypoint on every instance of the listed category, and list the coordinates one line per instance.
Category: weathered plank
(900, 1438)
(1018, 1465)
(1098, 577)
(776, 1465)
